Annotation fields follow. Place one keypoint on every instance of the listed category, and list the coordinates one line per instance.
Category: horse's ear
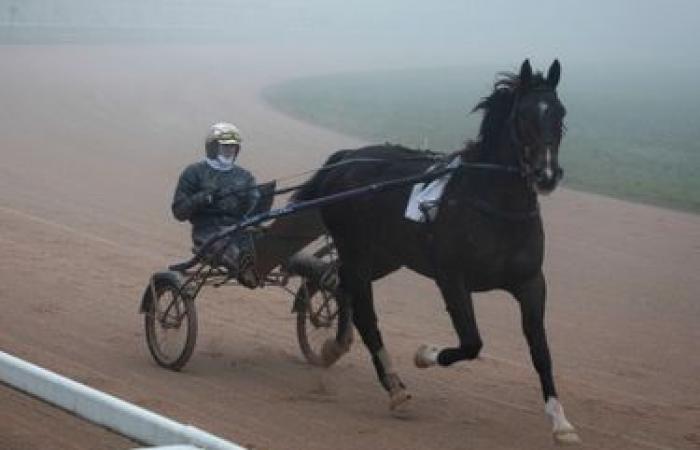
(554, 73)
(525, 74)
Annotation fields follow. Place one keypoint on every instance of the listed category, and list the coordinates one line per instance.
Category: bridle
(523, 150)
(523, 168)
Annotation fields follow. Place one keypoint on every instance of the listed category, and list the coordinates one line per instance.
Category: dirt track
(92, 140)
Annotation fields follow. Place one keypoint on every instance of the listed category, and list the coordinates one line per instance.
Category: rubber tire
(150, 323)
(342, 317)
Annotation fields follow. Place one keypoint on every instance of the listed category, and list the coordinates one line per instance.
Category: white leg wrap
(426, 356)
(564, 432)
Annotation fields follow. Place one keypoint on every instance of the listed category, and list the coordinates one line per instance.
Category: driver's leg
(239, 258)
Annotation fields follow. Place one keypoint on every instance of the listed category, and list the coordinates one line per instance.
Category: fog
(629, 73)
(376, 33)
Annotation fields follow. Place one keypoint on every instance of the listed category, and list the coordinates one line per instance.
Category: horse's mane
(496, 107)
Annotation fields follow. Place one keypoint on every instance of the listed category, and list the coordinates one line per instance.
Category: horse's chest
(495, 256)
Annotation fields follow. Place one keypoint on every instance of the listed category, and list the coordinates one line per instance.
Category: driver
(216, 193)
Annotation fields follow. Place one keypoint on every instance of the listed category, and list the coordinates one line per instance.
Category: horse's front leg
(461, 309)
(531, 297)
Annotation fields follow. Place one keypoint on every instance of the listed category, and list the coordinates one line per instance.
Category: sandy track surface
(93, 140)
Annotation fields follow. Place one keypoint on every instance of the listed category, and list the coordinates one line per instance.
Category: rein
(466, 165)
(295, 187)
(476, 203)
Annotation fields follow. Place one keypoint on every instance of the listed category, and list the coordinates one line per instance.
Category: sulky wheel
(321, 319)
(171, 325)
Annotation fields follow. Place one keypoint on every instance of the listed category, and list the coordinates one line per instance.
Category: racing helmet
(221, 133)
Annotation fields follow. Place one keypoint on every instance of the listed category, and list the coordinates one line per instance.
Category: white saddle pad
(425, 198)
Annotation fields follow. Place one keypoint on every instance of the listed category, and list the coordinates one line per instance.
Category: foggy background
(388, 33)
(401, 71)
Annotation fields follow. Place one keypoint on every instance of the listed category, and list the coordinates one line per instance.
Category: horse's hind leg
(359, 288)
(531, 297)
(461, 310)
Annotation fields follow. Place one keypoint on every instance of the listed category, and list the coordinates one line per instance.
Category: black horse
(487, 233)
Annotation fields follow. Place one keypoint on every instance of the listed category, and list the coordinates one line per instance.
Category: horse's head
(536, 123)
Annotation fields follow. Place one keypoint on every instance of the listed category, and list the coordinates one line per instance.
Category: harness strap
(429, 209)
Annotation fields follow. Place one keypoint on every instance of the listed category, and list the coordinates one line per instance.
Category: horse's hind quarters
(426, 356)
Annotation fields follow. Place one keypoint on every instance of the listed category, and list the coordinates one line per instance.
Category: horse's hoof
(398, 400)
(426, 356)
(332, 351)
(566, 437)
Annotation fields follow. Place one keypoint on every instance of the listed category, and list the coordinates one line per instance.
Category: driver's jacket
(199, 180)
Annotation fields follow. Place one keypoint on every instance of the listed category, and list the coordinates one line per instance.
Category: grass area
(631, 134)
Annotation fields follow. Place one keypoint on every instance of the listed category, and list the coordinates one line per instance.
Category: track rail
(103, 409)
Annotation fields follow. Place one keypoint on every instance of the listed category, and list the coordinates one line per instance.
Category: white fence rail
(97, 407)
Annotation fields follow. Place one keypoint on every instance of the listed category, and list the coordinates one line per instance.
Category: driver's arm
(189, 197)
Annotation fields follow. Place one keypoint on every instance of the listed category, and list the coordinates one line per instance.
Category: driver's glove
(203, 198)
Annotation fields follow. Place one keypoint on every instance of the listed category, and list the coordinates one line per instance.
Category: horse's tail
(309, 190)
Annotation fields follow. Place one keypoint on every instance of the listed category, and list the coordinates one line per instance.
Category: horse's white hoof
(426, 356)
(563, 432)
(566, 437)
(398, 400)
